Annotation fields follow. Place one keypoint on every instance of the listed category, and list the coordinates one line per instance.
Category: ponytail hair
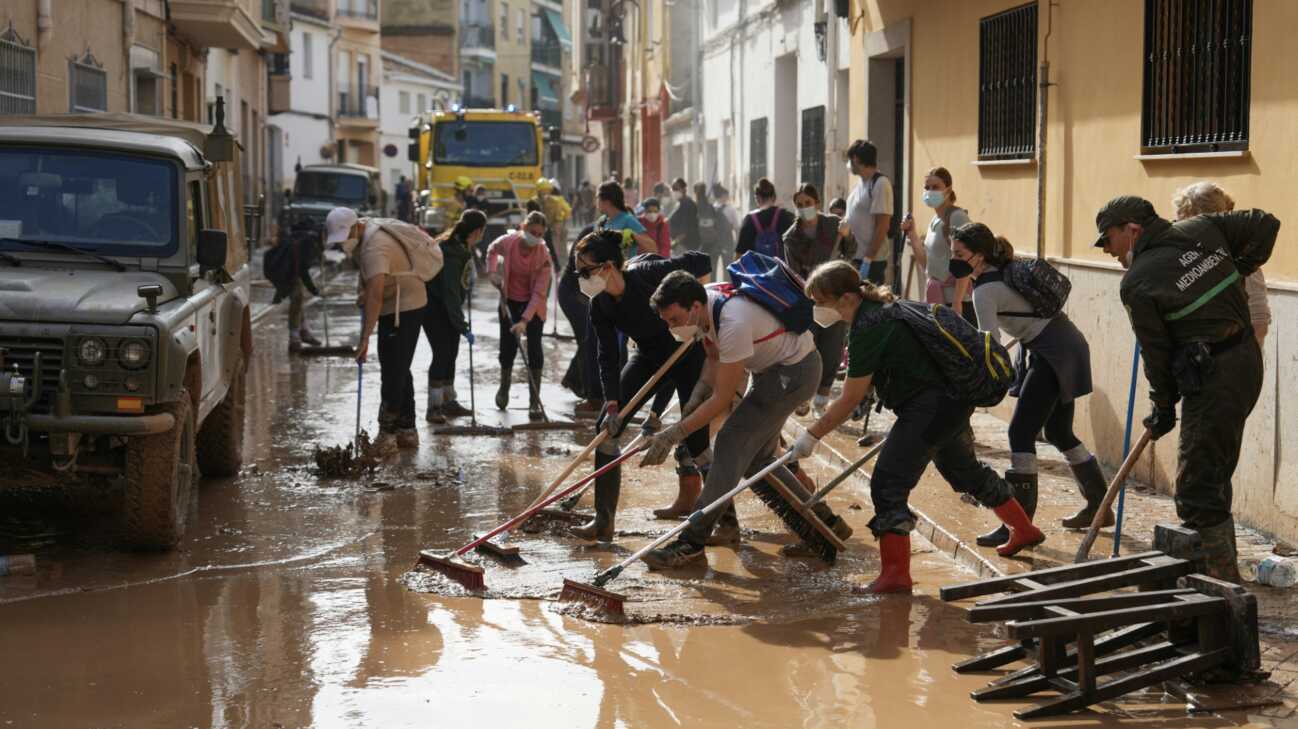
(604, 245)
(833, 279)
(613, 193)
(470, 222)
(979, 239)
(944, 175)
(764, 190)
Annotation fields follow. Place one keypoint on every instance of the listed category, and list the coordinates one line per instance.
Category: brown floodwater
(293, 602)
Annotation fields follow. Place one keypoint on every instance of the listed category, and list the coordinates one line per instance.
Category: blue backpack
(768, 241)
(772, 285)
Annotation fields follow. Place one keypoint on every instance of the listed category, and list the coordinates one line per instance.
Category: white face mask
(652, 217)
(592, 286)
(685, 333)
(807, 213)
(678, 195)
(532, 240)
(825, 316)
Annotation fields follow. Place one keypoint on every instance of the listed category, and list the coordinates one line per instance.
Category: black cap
(1120, 211)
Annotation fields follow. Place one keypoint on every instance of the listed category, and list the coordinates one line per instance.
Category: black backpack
(1041, 284)
(976, 368)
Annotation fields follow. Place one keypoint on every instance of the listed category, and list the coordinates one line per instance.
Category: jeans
(929, 427)
(397, 346)
(509, 343)
(443, 338)
(747, 441)
(829, 343)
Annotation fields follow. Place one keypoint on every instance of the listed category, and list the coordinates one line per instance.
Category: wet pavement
(292, 601)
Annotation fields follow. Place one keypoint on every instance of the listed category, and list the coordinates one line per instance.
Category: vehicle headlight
(133, 354)
(92, 351)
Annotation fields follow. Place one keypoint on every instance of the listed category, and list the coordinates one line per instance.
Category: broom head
(468, 575)
(609, 602)
(800, 520)
(499, 551)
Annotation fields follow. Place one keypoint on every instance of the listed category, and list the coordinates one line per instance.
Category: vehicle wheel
(160, 475)
(220, 440)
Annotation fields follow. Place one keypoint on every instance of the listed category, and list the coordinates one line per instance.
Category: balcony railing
(547, 53)
(478, 35)
(367, 9)
(360, 106)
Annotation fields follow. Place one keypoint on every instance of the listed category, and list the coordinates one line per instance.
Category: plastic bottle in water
(1277, 571)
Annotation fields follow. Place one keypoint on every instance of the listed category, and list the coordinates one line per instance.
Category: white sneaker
(819, 404)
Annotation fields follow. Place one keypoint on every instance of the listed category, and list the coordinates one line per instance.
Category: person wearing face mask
(739, 336)
(685, 218)
(813, 240)
(934, 253)
(763, 227)
(619, 302)
(393, 299)
(657, 226)
(615, 215)
(930, 426)
(524, 285)
(1185, 297)
(1057, 373)
(444, 321)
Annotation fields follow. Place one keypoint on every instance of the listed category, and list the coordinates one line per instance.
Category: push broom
(472, 576)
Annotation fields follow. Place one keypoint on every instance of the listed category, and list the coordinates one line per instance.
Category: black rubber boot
(1090, 480)
(1025, 490)
(502, 392)
(534, 410)
(608, 488)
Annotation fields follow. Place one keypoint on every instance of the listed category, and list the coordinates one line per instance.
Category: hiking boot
(502, 392)
(1023, 533)
(725, 535)
(407, 439)
(436, 395)
(679, 553)
(593, 531)
(894, 570)
(308, 338)
(868, 440)
(1024, 488)
(534, 409)
(587, 409)
(801, 550)
(688, 490)
(1220, 558)
(1090, 480)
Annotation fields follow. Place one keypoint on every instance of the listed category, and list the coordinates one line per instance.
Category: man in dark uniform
(1184, 292)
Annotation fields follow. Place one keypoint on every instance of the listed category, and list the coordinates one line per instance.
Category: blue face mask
(934, 198)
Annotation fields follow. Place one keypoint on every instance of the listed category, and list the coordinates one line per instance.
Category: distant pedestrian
(632, 193)
(763, 227)
(869, 212)
(685, 218)
(586, 200)
(716, 237)
(657, 226)
(616, 216)
(665, 199)
(934, 252)
(524, 284)
(721, 201)
(404, 199)
(444, 320)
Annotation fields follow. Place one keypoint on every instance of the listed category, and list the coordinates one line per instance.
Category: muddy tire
(220, 440)
(160, 475)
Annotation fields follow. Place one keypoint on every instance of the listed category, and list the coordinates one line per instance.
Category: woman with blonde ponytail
(1057, 372)
(930, 425)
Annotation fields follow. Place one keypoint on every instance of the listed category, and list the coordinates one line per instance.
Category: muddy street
(292, 601)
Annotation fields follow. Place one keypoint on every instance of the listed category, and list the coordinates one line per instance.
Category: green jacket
(448, 286)
(1185, 284)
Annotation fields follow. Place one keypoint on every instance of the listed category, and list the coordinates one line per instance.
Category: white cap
(338, 225)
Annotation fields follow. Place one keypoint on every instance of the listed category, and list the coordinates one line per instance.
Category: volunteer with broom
(739, 336)
(1058, 372)
(619, 303)
(931, 425)
(444, 321)
(524, 284)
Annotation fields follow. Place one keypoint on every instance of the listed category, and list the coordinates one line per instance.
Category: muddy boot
(308, 338)
(688, 488)
(294, 342)
(1090, 479)
(587, 409)
(679, 553)
(1024, 488)
(1220, 558)
(894, 568)
(502, 392)
(726, 532)
(436, 401)
(407, 439)
(1023, 533)
(607, 490)
(534, 409)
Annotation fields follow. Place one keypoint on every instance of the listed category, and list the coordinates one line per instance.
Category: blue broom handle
(1126, 448)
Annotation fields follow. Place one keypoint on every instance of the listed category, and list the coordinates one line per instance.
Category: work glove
(702, 391)
(652, 424)
(661, 445)
(1161, 421)
(468, 337)
(519, 328)
(609, 421)
(805, 445)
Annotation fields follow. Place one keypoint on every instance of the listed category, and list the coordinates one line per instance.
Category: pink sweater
(507, 246)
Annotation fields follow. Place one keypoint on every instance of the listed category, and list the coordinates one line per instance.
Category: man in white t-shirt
(740, 338)
(869, 212)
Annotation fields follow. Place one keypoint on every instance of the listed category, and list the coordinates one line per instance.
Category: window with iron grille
(17, 74)
(1007, 84)
(756, 150)
(1198, 58)
(813, 147)
(87, 84)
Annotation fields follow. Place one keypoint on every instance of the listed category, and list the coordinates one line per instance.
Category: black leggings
(443, 338)
(509, 343)
(1039, 406)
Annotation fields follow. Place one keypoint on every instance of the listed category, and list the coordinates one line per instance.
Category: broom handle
(530, 511)
(634, 403)
(616, 569)
(840, 478)
(1094, 531)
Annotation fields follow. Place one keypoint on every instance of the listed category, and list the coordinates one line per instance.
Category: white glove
(805, 445)
(662, 444)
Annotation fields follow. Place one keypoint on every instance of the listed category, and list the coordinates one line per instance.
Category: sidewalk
(951, 526)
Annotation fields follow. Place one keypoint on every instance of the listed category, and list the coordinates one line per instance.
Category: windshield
(115, 204)
(332, 186)
(485, 144)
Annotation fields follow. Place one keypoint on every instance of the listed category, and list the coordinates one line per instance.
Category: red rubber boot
(894, 576)
(1023, 533)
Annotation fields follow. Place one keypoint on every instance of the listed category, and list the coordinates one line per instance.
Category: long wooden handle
(631, 405)
(1084, 549)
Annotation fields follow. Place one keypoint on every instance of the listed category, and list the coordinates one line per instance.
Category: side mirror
(212, 246)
